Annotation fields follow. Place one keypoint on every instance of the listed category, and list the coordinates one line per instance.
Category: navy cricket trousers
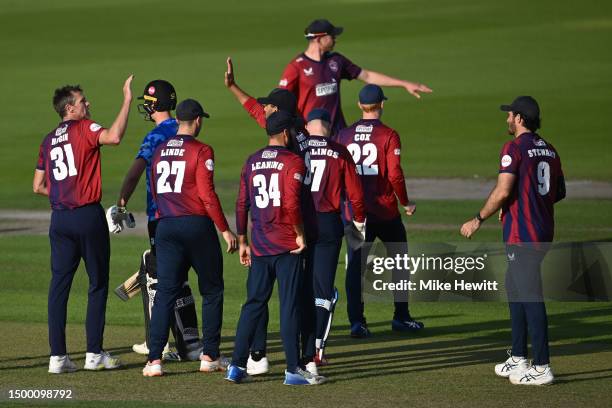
(326, 253)
(183, 242)
(526, 302)
(75, 234)
(393, 235)
(264, 270)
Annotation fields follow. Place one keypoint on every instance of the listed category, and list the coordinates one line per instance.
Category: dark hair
(532, 124)
(64, 96)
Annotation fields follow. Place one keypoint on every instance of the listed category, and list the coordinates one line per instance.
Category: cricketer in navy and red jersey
(299, 145)
(317, 84)
(332, 176)
(528, 214)
(270, 186)
(182, 171)
(70, 157)
(376, 150)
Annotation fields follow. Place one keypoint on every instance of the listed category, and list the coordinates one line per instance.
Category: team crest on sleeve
(333, 65)
(298, 177)
(397, 152)
(94, 127)
(210, 164)
(506, 160)
(283, 82)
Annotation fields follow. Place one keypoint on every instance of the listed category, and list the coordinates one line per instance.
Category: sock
(257, 355)
(541, 368)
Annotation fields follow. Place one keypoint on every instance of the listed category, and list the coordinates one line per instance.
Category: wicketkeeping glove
(118, 218)
(361, 228)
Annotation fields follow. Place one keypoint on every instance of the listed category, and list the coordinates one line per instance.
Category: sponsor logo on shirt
(397, 152)
(539, 143)
(333, 65)
(364, 129)
(298, 177)
(324, 89)
(175, 143)
(210, 164)
(317, 143)
(269, 154)
(283, 82)
(506, 160)
(308, 72)
(94, 127)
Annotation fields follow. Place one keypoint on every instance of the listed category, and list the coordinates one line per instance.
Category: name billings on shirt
(264, 165)
(541, 152)
(172, 152)
(321, 151)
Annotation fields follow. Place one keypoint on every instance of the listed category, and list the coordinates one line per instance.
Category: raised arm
(114, 134)
(377, 78)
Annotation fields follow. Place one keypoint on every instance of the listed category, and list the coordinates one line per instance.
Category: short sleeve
(509, 158)
(91, 132)
(349, 70)
(40, 164)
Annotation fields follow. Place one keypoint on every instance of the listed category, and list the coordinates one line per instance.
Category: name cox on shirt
(267, 165)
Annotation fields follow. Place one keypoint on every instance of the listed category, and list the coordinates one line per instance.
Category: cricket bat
(129, 288)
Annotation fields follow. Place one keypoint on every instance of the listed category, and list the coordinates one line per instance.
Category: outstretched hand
(127, 88)
(414, 89)
(229, 73)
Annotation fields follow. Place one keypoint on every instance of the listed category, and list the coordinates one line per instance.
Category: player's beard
(511, 129)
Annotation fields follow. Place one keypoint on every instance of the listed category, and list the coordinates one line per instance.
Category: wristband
(478, 217)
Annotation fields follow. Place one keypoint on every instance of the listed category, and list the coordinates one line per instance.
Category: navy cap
(371, 94)
(279, 121)
(281, 98)
(525, 105)
(320, 114)
(320, 28)
(190, 109)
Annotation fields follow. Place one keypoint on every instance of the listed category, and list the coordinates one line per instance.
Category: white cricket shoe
(153, 369)
(101, 361)
(144, 349)
(512, 365)
(533, 377)
(258, 367)
(312, 368)
(219, 364)
(61, 364)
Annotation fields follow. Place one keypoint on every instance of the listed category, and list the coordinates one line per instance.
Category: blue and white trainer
(302, 377)
(512, 365)
(360, 331)
(533, 376)
(237, 374)
(406, 325)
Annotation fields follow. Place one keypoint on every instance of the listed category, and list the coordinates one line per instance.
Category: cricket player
(314, 76)
(270, 189)
(159, 100)
(529, 183)
(188, 210)
(332, 176)
(376, 151)
(68, 172)
(260, 109)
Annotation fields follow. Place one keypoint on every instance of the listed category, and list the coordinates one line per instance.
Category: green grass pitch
(475, 54)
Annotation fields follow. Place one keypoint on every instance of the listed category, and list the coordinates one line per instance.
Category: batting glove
(361, 228)
(118, 218)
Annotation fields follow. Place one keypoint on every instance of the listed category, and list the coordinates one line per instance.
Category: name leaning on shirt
(267, 165)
